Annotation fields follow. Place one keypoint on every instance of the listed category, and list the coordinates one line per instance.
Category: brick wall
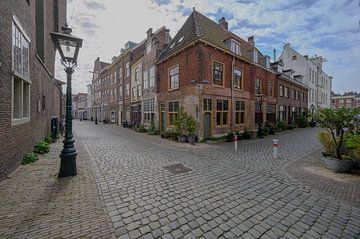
(20, 139)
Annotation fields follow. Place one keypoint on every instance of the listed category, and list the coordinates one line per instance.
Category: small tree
(336, 122)
(180, 123)
(190, 125)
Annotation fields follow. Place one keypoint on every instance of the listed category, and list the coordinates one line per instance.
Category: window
(281, 90)
(146, 80)
(257, 86)
(271, 89)
(294, 58)
(293, 94)
(174, 78)
(255, 56)
(152, 77)
(282, 114)
(237, 79)
(218, 74)
(267, 62)
(120, 75)
(120, 93)
(222, 112)
(139, 91)
(207, 105)
(239, 112)
(127, 90)
(286, 92)
(127, 69)
(21, 78)
(137, 74)
(270, 113)
(149, 111)
(234, 46)
(133, 90)
(173, 108)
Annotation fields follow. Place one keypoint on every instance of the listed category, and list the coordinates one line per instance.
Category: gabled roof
(198, 26)
(103, 64)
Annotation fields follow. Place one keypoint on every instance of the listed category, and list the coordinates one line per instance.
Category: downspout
(232, 96)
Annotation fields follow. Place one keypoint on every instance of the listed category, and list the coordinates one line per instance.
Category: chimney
(149, 32)
(251, 40)
(274, 55)
(287, 45)
(223, 23)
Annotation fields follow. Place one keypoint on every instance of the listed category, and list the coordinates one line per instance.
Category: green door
(207, 125)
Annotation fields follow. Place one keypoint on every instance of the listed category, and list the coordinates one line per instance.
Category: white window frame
(174, 86)
(152, 76)
(24, 79)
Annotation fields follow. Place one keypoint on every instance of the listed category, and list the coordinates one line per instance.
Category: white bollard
(235, 142)
(275, 145)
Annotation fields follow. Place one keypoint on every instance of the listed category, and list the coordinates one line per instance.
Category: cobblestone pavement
(246, 194)
(311, 172)
(34, 203)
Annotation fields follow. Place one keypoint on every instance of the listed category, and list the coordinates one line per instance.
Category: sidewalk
(36, 204)
(311, 172)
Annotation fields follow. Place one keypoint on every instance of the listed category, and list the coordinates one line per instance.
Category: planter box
(337, 165)
(182, 139)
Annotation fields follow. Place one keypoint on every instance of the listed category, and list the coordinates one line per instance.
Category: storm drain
(177, 168)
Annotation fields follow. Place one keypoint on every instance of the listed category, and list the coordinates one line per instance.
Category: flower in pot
(336, 122)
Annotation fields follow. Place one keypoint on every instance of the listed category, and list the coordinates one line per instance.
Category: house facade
(29, 93)
(314, 77)
(345, 101)
(217, 77)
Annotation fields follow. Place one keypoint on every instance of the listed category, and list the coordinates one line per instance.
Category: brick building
(345, 101)
(215, 75)
(97, 89)
(292, 94)
(29, 93)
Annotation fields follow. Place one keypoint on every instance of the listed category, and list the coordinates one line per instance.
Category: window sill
(220, 86)
(19, 121)
(173, 89)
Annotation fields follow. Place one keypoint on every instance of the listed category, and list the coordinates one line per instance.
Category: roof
(198, 26)
(103, 64)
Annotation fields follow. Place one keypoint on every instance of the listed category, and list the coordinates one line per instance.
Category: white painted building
(313, 76)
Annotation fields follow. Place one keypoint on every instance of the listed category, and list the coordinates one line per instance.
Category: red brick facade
(18, 139)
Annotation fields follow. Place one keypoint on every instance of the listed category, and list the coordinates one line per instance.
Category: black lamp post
(68, 47)
(259, 99)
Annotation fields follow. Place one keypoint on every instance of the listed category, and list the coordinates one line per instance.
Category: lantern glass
(68, 48)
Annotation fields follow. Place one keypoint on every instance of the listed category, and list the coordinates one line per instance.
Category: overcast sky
(324, 27)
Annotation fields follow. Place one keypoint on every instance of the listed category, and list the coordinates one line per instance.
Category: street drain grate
(177, 168)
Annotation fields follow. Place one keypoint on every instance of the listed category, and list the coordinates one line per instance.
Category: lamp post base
(68, 165)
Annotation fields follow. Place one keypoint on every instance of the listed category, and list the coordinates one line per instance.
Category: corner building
(216, 76)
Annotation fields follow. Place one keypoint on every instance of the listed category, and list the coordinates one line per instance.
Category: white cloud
(323, 27)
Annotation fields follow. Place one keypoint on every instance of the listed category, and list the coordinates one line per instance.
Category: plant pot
(182, 138)
(192, 139)
(338, 165)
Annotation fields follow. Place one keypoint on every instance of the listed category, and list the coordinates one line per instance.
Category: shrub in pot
(336, 122)
(230, 137)
(190, 129)
(180, 125)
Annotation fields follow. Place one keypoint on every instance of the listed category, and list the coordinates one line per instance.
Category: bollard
(235, 142)
(275, 145)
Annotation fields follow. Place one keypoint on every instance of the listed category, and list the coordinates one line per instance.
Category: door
(207, 125)
(163, 121)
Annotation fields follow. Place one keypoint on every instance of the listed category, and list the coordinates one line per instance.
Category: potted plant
(336, 122)
(190, 128)
(180, 125)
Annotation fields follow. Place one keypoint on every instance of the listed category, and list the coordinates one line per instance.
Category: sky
(326, 28)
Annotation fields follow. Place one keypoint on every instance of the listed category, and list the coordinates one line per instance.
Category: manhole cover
(177, 168)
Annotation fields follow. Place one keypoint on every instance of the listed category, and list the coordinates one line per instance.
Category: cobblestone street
(215, 192)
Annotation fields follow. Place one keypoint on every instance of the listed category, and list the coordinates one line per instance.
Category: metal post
(275, 145)
(68, 154)
(235, 142)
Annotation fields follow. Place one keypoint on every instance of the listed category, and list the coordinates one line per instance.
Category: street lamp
(68, 47)
(259, 99)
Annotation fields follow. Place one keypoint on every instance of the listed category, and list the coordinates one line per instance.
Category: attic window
(180, 40)
(294, 58)
(255, 56)
(234, 46)
(172, 45)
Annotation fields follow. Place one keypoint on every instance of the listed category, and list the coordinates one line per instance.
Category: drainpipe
(232, 97)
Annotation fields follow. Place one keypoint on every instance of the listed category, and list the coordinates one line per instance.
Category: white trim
(18, 121)
(17, 22)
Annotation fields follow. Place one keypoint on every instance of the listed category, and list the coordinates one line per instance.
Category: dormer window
(234, 46)
(180, 40)
(255, 56)
(267, 62)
